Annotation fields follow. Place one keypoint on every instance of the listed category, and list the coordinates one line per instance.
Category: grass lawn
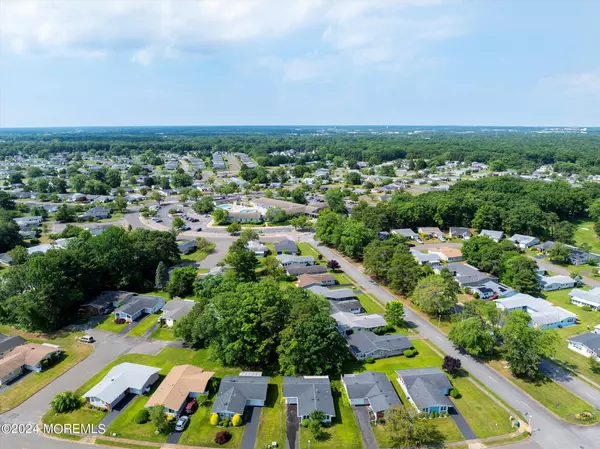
(124, 427)
(199, 255)
(585, 234)
(163, 333)
(486, 418)
(307, 250)
(343, 433)
(342, 278)
(123, 445)
(108, 324)
(83, 415)
(369, 304)
(146, 323)
(446, 426)
(273, 416)
(74, 352)
(550, 394)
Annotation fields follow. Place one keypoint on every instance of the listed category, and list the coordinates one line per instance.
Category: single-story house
(174, 310)
(98, 213)
(259, 249)
(237, 392)
(310, 393)
(121, 379)
(459, 233)
(467, 275)
(287, 260)
(340, 294)
(350, 321)
(543, 314)
(493, 290)
(558, 282)
(496, 236)
(448, 254)
(407, 233)
(587, 344)
(427, 389)
(182, 383)
(297, 270)
(432, 233)
(286, 246)
(139, 305)
(422, 258)
(349, 306)
(187, 246)
(10, 342)
(245, 217)
(367, 344)
(26, 223)
(584, 298)
(309, 280)
(373, 390)
(106, 302)
(524, 241)
(25, 357)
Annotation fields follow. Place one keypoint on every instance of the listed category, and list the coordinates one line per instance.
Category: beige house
(27, 357)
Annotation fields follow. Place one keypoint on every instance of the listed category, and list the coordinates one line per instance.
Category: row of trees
(44, 292)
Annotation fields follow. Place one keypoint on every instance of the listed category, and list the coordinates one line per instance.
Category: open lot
(585, 234)
(74, 352)
(272, 424)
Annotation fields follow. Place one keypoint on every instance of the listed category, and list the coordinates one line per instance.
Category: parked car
(199, 230)
(86, 339)
(186, 228)
(182, 423)
(191, 407)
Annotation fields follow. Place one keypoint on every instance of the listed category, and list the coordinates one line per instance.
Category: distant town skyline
(306, 62)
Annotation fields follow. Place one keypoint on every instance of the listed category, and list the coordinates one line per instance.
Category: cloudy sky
(220, 62)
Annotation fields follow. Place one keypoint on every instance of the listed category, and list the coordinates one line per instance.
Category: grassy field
(307, 250)
(199, 255)
(343, 278)
(163, 333)
(108, 324)
(550, 394)
(125, 427)
(83, 415)
(74, 352)
(370, 304)
(343, 433)
(585, 234)
(144, 325)
(586, 322)
(123, 445)
(273, 417)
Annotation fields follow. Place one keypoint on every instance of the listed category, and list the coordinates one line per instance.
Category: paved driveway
(252, 421)
(118, 409)
(292, 427)
(364, 424)
(462, 424)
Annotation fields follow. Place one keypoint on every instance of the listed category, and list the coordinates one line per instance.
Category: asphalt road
(550, 432)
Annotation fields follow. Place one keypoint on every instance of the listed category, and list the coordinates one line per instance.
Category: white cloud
(385, 34)
(583, 83)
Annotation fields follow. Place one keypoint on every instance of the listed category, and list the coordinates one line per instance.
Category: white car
(182, 423)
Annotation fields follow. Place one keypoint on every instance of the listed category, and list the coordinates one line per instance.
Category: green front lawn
(108, 324)
(585, 234)
(163, 333)
(273, 416)
(342, 278)
(199, 255)
(125, 427)
(123, 445)
(145, 324)
(369, 304)
(343, 432)
(83, 415)
(73, 353)
(307, 250)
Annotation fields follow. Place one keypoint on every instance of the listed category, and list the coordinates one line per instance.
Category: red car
(190, 407)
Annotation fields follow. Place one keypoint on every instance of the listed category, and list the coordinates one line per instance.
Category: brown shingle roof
(179, 383)
(305, 280)
(28, 354)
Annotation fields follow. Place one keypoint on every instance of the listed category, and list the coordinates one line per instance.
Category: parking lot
(167, 220)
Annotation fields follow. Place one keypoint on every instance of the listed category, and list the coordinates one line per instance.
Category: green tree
(204, 205)
(243, 262)
(182, 282)
(156, 196)
(113, 178)
(234, 227)
(298, 195)
(329, 227)
(65, 214)
(162, 276)
(9, 234)
(520, 274)
(248, 234)
(354, 238)
(564, 232)
(524, 346)
(394, 313)
(407, 428)
(275, 215)
(220, 216)
(335, 201)
(353, 178)
(6, 201)
(119, 204)
(560, 253)
(177, 223)
(474, 335)
(433, 296)
(158, 418)
(300, 222)
(18, 255)
(66, 402)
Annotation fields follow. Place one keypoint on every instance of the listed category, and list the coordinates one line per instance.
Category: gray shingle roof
(313, 393)
(8, 343)
(295, 270)
(426, 386)
(140, 302)
(339, 294)
(234, 391)
(286, 245)
(177, 308)
(375, 387)
(366, 341)
(589, 339)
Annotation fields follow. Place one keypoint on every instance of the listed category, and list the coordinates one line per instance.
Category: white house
(257, 248)
(584, 298)
(558, 282)
(587, 344)
(139, 305)
(174, 310)
(121, 379)
(287, 260)
(543, 314)
(349, 321)
(237, 392)
(496, 236)
(524, 241)
(309, 393)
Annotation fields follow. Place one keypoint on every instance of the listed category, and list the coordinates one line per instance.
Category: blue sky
(224, 62)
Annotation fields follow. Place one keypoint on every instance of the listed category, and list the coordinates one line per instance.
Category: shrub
(369, 360)
(119, 320)
(587, 308)
(214, 419)
(409, 353)
(222, 437)
(66, 402)
(236, 420)
(433, 414)
(142, 416)
(380, 421)
(454, 393)
(34, 241)
(305, 423)
(225, 421)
